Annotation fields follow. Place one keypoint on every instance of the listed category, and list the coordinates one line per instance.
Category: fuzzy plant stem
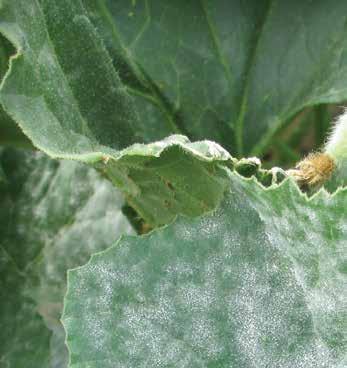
(318, 167)
(336, 146)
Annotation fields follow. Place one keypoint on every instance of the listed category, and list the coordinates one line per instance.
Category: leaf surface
(62, 88)
(257, 283)
(230, 71)
(210, 70)
(70, 112)
(53, 216)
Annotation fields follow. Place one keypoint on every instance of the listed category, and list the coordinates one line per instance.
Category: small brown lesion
(313, 170)
(145, 228)
(169, 185)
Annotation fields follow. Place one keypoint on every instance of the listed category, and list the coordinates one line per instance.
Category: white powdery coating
(336, 146)
(250, 285)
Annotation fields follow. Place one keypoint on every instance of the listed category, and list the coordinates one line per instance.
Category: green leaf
(62, 88)
(10, 134)
(24, 337)
(53, 216)
(216, 70)
(169, 177)
(44, 63)
(230, 71)
(260, 282)
(70, 112)
(175, 176)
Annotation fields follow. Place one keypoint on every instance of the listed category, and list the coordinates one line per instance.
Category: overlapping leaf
(62, 88)
(53, 215)
(257, 283)
(226, 70)
(195, 68)
(64, 91)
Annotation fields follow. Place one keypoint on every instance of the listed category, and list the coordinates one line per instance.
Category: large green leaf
(260, 282)
(70, 112)
(226, 70)
(207, 69)
(53, 216)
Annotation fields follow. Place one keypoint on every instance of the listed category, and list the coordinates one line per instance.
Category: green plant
(143, 111)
